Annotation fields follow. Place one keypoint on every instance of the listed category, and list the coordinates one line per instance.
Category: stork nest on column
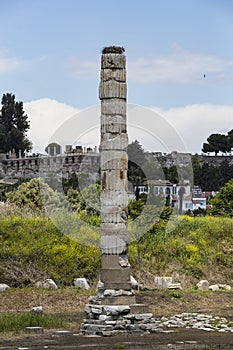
(113, 49)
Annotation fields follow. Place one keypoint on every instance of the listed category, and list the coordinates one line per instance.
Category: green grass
(18, 322)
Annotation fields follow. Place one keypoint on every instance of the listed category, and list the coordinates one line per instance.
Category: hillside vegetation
(44, 234)
(186, 247)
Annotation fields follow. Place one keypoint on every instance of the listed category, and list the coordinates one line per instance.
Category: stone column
(115, 272)
(113, 309)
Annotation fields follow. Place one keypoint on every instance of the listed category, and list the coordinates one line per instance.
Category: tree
(213, 144)
(36, 195)
(196, 169)
(223, 201)
(153, 170)
(218, 142)
(136, 159)
(207, 148)
(14, 125)
(230, 137)
(171, 173)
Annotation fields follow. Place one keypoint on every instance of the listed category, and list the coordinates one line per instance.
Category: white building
(190, 200)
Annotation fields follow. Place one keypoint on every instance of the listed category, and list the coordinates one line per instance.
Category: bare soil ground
(69, 303)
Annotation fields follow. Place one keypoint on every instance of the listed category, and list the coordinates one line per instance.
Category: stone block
(112, 245)
(133, 282)
(113, 61)
(139, 309)
(115, 310)
(113, 106)
(113, 124)
(48, 283)
(37, 330)
(110, 155)
(117, 275)
(214, 287)
(174, 286)
(113, 215)
(3, 287)
(162, 282)
(96, 309)
(115, 198)
(121, 292)
(118, 285)
(115, 74)
(109, 292)
(143, 316)
(81, 283)
(119, 142)
(110, 261)
(203, 285)
(114, 160)
(115, 180)
(225, 286)
(119, 300)
(37, 310)
(112, 89)
(112, 228)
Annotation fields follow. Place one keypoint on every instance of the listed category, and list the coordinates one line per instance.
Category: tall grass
(191, 246)
(18, 322)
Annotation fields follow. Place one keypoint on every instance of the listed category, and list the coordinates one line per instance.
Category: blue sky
(50, 51)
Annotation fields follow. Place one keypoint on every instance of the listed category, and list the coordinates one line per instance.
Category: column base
(109, 320)
(117, 314)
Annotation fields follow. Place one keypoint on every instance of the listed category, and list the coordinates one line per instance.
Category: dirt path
(180, 340)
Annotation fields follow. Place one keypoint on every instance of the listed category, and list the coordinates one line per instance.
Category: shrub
(34, 248)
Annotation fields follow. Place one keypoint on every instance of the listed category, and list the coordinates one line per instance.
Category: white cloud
(179, 66)
(9, 64)
(45, 116)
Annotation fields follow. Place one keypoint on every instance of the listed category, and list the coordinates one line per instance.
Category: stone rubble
(48, 283)
(205, 285)
(81, 283)
(37, 310)
(133, 282)
(198, 321)
(112, 320)
(3, 287)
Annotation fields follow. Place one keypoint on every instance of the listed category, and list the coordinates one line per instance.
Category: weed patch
(18, 322)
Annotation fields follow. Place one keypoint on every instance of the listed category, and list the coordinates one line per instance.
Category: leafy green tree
(209, 180)
(136, 159)
(14, 125)
(36, 195)
(230, 137)
(153, 170)
(90, 199)
(196, 169)
(217, 143)
(223, 201)
(136, 153)
(87, 200)
(171, 174)
(207, 148)
(213, 144)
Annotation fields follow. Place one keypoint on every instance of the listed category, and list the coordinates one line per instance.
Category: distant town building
(192, 199)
